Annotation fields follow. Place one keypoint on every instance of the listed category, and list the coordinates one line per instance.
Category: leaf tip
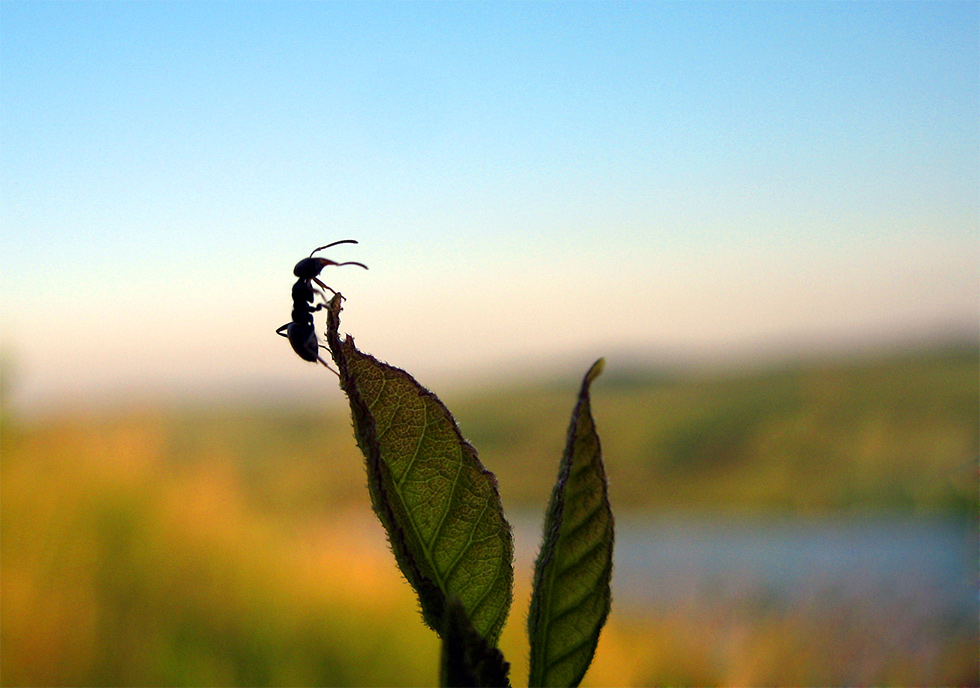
(595, 371)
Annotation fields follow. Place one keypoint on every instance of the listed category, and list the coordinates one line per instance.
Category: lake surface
(869, 600)
(665, 558)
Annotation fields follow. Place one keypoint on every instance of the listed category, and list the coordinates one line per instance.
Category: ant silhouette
(300, 332)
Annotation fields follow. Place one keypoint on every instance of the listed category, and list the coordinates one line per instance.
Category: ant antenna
(342, 241)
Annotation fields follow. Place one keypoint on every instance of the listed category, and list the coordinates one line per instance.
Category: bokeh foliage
(204, 546)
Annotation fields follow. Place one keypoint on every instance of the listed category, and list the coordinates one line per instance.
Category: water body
(870, 600)
(666, 558)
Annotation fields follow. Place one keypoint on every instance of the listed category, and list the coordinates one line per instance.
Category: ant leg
(330, 289)
(327, 366)
(319, 293)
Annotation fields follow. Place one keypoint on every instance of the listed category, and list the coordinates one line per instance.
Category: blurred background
(765, 216)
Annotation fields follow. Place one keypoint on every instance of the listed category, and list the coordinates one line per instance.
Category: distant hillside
(893, 432)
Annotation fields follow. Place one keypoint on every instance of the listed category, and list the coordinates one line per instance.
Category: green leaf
(571, 596)
(438, 503)
(467, 658)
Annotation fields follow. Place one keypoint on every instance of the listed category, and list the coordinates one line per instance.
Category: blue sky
(527, 181)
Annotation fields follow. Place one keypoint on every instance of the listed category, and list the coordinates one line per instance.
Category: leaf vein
(489, 587)
(586, 520)
(445, 512)
(567, 652)
(415, 456)
(470, 541)
(568, 609)
(568, 566)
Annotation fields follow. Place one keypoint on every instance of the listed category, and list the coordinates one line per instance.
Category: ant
(300, 332)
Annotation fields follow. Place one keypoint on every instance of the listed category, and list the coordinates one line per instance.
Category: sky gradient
(527, 181)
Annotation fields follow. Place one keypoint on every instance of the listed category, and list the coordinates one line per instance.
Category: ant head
(308, 268)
